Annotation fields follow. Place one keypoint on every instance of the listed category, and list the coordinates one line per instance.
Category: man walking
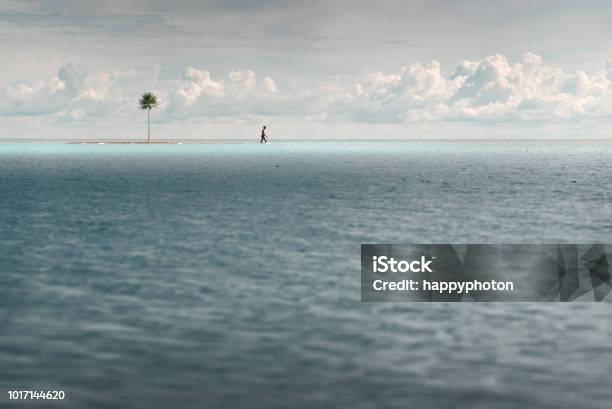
(264, 137)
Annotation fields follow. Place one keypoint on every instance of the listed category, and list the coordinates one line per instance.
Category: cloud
(74, 93)
(485, 90)
(488, 89)
(241, 93)
(492, 89)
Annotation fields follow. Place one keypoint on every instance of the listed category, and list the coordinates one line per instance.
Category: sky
(317, 69)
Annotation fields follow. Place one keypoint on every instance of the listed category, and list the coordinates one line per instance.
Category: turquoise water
(219, 276)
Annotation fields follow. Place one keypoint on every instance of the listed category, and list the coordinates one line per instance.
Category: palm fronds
(148, 101)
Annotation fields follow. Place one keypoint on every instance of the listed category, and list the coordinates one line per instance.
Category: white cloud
(488, 89)
(74, 93)
(199, 84)
(492, 89)
(269, 86)
(240, 94)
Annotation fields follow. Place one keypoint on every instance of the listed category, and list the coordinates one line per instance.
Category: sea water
(227, 275)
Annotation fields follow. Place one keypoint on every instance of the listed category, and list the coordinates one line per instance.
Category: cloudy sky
(307, 69)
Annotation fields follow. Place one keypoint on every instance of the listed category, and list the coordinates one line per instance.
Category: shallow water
(228, 275)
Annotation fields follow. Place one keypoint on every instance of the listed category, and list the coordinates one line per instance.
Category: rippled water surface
(220, 276)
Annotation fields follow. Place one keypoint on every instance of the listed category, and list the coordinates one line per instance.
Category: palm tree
(147, 102)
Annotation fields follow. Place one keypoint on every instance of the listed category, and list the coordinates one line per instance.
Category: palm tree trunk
(149, 126)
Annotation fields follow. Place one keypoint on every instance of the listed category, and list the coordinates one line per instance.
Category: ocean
(227, 275)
